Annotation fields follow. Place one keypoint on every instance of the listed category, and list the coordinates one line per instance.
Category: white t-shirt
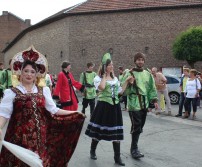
(191, 87)
(6, 105)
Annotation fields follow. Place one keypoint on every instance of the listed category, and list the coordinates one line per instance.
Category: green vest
(87, 79)
(121, 79)
(109, 93)
(7, 79)
(146, 88)
(1, 79)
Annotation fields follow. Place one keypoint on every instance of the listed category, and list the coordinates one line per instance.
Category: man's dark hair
(90, 64)
(139, 55)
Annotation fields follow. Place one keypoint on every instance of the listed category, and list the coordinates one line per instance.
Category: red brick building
(10, 27)
(86, 31)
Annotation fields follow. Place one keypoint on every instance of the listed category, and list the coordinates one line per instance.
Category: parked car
(173, 84)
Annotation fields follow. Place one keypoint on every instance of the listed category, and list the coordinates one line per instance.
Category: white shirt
(48, 80)
(191, 87)
(6, 105)
(97, 81)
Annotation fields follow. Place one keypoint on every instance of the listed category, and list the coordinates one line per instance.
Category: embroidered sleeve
(6, 105)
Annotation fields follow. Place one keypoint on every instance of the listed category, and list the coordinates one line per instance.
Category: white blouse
(97, 81)
(191, 87)
(6, 105)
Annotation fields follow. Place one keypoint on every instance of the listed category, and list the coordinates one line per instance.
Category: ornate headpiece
(33, 55)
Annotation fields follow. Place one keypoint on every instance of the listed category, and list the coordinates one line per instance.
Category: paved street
(166, 142)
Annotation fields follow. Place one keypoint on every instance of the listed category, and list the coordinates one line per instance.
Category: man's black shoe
(178, 115)
(136, 154)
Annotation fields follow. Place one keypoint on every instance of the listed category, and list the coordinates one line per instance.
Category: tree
(188, 46)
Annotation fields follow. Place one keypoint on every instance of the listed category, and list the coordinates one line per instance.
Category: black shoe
(178, 115)
(93, 155)
(119, 161)
(136, 154)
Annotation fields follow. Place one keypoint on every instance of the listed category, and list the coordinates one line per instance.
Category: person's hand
(1, 134)
(79, 113)
(156, 106)
(82, 114)
(197, 94)
(130, 79)
(104, 76)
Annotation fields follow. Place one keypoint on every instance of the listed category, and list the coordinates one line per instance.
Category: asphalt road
(167, 141)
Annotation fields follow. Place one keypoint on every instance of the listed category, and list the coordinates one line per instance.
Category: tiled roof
(107, 5)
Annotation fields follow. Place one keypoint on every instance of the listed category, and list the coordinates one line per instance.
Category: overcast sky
(36, 10)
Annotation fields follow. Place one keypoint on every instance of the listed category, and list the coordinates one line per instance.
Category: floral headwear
(33, 55)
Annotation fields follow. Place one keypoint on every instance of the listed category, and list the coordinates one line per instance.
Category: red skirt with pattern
(54, 138)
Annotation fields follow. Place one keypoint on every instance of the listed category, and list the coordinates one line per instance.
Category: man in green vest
(87, 79)
(140, 88)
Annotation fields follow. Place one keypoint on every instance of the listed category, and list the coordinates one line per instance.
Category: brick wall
(151, 32)
(85, 38)
(49, 40)
(10, 27)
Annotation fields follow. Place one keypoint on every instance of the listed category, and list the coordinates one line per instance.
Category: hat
(105, 57)
(30, 54)
(139, 55)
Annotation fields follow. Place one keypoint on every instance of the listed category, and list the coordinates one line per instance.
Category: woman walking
(106, 122)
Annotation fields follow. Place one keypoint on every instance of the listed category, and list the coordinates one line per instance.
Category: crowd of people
(41, 110)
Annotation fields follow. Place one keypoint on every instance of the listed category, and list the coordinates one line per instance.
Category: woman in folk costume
(35, 122)
(64, 90)
(106, 122)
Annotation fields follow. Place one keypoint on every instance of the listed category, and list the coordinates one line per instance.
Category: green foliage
(188, 45)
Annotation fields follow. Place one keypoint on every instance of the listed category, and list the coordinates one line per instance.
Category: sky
(36, 10)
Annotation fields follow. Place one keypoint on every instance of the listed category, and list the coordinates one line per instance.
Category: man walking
(140, 88)
(87, 79)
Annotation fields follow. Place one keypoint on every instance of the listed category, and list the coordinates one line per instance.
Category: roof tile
(106, 5)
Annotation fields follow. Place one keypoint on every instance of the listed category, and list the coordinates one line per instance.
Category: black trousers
(187, 104)
(1, 93)
(87, 102)
(138, 119)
